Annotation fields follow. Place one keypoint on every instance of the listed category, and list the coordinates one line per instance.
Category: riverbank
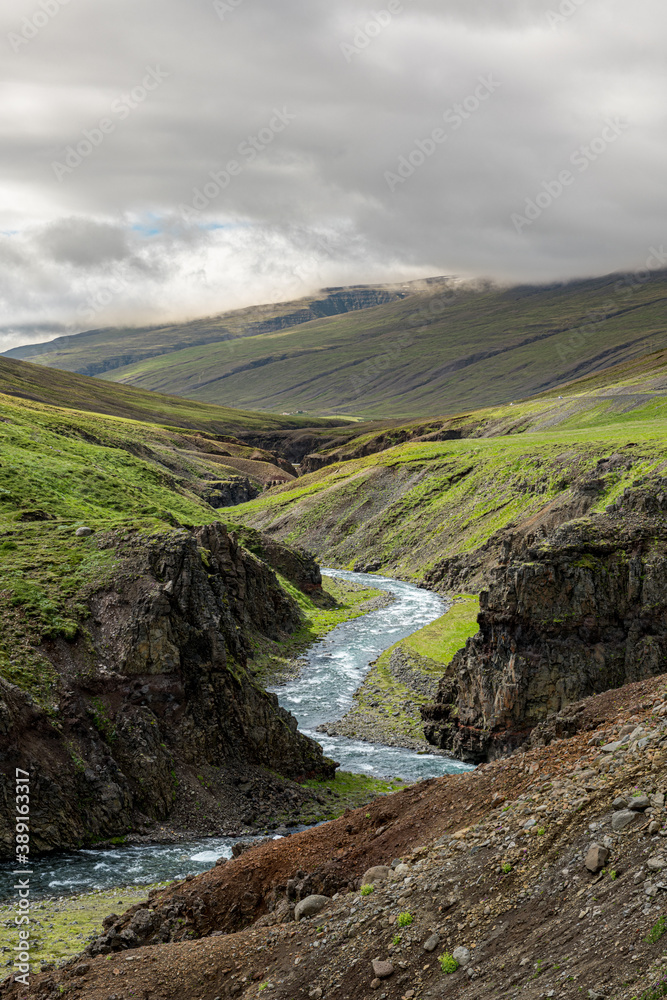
(62, 926)
(533, 866)
(277, 663)
(386, 706)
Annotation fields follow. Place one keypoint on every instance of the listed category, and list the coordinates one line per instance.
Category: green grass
(388, 705)
(419, 357)
(439, 641)
(419, 503)
(99, 350)
(61, 928)
(448, 963)
(658, 930)
(59, 388)
(345, 791)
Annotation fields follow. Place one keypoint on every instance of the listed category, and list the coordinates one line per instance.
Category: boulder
(310, 907)
(382, 970)
(596, 858)
(432, 943)
(639, 803)
(377, 874)
(621, 820)
(462, 956)
(656, 863)
(83, 532)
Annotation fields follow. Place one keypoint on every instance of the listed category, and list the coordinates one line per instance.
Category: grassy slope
(417, 503)
(386, 707)
(96, 351)
(19, 378)
(425, 354)
(61, 469)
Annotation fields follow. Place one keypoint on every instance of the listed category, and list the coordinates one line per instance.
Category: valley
(162, 564)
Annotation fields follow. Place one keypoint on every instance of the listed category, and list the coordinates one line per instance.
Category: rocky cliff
(575, 613)
(155, 715)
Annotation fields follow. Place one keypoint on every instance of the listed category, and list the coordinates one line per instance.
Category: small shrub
(404, 919)
(366, 890)
(541, 831)
(448, 963)
(656, 992)
(396, 940)
(506, 868)
(659, 928)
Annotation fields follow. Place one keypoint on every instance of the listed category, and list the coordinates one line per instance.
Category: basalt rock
(155, 711)
(580, 613)
(229, 492)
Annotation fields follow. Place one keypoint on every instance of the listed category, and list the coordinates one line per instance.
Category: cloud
(314, 103)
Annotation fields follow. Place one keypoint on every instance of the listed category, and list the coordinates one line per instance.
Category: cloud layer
(164, 160)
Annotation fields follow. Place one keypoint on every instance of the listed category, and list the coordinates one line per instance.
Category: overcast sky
(351, 144)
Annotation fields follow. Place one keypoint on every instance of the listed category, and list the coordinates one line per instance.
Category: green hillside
(407, 508)
(40, 384)
(430, 353)
(97, 351)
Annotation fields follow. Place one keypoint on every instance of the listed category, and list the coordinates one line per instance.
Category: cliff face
(156, 713)
(583, 611)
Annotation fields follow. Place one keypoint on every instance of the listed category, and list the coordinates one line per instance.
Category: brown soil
(530, 930)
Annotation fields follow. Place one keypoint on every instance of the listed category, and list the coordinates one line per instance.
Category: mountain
(98, 351)
(444, 348)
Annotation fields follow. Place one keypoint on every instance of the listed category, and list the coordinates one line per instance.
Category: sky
(163, 160)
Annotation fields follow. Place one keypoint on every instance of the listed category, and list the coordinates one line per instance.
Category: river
(335, 667)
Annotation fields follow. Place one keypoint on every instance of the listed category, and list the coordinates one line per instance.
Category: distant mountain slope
(66, 389)
(98, 351)
(438, 351)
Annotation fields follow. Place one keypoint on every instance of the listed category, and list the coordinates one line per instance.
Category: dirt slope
(495, 863)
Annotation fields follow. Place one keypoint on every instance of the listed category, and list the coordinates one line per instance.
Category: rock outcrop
(229, 492)
(156, 713)
(575, 614)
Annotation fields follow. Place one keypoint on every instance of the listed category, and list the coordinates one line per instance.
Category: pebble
(656, 863)
(462, 956)
(382, 970)
(432, 943)
(377, 874)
